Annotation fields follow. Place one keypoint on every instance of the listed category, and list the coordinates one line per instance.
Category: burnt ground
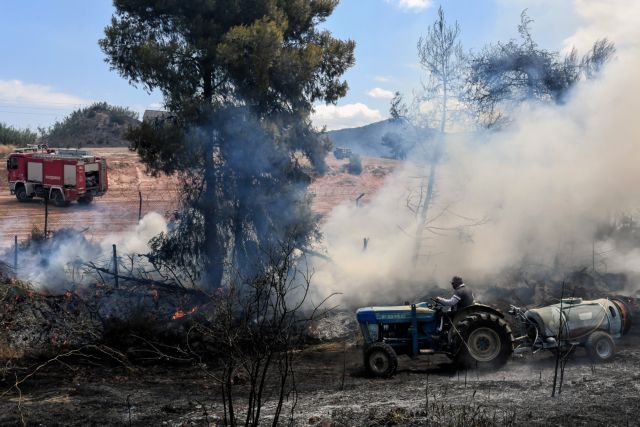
(332, 391)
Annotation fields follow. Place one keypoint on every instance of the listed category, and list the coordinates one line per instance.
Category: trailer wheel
(380, 360)
(21, 194)
(484, 341)
(600, 346)
(57, 199)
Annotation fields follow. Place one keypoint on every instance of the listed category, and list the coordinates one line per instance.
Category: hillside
(99, 125)
(104, 125)
(367, 140)
(337, 186)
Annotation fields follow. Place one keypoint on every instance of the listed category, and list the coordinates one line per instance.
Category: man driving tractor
(461, 298)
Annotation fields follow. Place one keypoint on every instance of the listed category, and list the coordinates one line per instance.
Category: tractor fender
(475, 308)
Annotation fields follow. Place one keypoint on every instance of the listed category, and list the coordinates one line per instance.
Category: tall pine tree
(240, 78)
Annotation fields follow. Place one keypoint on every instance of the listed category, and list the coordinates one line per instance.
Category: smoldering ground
(529, 197)
(56, 264)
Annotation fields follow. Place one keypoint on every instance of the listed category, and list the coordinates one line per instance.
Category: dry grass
(6, 286)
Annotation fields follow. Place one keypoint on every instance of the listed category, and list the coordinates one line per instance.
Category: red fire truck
(60, 175)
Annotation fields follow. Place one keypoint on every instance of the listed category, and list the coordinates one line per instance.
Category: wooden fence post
(115, 264)
(15, 254)
(46, 216)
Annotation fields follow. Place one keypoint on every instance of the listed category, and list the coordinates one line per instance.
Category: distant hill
(367, 140)
(104, 125)
(100, 125)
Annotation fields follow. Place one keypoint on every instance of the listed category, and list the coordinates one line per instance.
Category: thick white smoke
(136, 240)
(535, 195)
(63, 261)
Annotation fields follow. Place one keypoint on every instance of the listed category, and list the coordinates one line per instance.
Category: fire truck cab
(60, 175)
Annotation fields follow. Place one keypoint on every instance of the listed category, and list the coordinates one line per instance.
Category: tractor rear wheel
(380, 360)
(484, 341)
(600, 346)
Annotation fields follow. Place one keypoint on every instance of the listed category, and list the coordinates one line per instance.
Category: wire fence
(119, 210)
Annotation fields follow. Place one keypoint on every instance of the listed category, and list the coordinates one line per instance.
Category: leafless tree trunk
(441, 55)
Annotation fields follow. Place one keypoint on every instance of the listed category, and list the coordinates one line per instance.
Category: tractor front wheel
(484, 341)
(380, 360)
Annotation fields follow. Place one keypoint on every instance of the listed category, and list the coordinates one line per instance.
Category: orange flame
(180, 313)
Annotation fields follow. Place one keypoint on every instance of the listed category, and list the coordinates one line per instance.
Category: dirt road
(118, 209)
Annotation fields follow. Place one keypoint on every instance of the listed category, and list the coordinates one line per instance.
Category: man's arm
(449, 302)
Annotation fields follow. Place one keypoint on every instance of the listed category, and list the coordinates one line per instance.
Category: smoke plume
(529, 197)
(58, 263)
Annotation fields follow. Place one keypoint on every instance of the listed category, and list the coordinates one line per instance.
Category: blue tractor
(476, 336)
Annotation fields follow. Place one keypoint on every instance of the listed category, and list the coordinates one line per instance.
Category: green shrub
(18, 137)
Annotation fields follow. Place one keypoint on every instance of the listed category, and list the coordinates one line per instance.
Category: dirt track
(114, 212)
(118, 209)
(519, 394)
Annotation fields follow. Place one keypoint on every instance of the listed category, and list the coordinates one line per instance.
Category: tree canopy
(508, 73)
(240, 79)
(442, 58)
(12, 136)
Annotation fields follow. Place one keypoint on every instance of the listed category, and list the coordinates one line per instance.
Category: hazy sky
(51, 63)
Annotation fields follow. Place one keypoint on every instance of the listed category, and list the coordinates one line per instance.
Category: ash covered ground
(96, 389)
(44, 381)
(332, 390)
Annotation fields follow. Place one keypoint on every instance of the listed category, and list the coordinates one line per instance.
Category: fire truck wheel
(600, 346)
(21, 194)
(380, 360)
(57, 199)
(85, 200)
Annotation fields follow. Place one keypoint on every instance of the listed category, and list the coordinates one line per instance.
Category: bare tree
(256, 328)
(442, 57)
